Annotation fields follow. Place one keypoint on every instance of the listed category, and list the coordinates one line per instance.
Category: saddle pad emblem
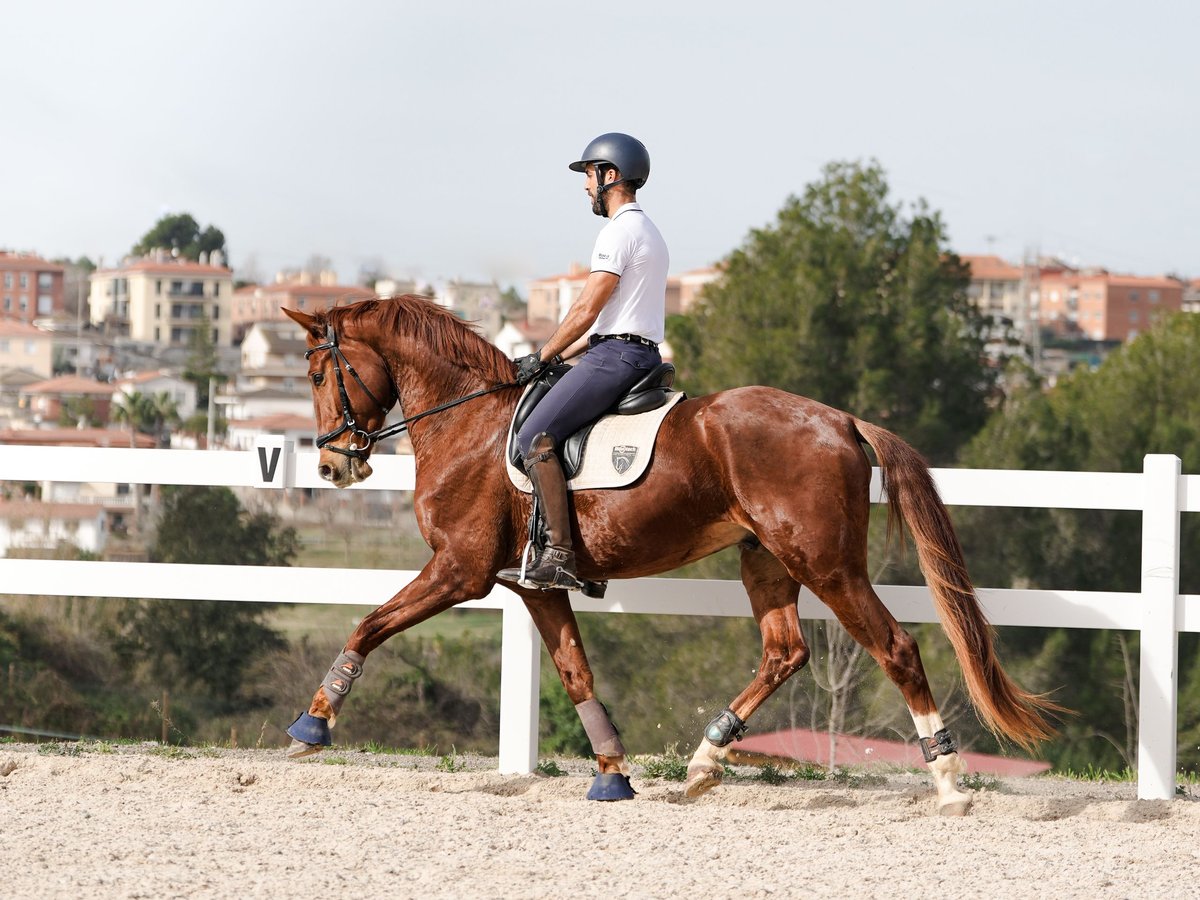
(623, 456)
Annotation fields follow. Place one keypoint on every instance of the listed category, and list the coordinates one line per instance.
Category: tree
(1141, 400)
(203, 365)
(181, 234)
(851, 301)
(210, 644)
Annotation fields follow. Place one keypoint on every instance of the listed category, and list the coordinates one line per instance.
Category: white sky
(433, 137)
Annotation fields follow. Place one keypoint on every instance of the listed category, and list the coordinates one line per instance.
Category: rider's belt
(627, 338)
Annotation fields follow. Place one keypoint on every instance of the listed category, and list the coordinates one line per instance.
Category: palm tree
(149, 415)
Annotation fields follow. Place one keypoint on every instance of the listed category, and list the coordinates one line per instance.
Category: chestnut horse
(783, 477)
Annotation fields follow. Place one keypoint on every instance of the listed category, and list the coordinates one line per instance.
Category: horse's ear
(304, 320)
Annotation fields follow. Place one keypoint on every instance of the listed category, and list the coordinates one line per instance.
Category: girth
(649, 393)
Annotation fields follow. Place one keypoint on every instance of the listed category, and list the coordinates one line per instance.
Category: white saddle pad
(617, 452)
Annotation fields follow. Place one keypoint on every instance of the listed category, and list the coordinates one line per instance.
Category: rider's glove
(529, 367)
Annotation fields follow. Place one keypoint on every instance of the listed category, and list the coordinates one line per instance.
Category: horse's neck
(423, 387)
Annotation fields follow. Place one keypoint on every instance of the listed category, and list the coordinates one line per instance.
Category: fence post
(1158, 682)
(520, 668)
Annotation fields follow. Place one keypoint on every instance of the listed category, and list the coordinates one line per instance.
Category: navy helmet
(627, 154)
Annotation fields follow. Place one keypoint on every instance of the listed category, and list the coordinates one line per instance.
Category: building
(161, 300)
(32, 288)
(1191, 296)
(24, 347)
(36, 528)
(265, 302)
(550, 298)
(301, 430)
(683, 291)
(997, 288)
(521, 338)
(66, 398)
(476, 302)
(179, 390)
(273, 356)
(1098, 305)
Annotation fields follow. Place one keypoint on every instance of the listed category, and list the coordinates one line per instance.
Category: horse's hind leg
(552, 614)
(773, 593)
(859, 609)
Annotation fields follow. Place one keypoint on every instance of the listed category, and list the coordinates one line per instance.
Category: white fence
(1158, 611)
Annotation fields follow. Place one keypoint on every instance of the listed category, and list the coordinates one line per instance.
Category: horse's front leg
(555, 620)
(443, 583)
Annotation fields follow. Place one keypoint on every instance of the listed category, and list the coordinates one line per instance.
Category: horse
(783, 477)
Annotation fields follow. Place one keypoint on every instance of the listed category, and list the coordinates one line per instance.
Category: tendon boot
(554, 564)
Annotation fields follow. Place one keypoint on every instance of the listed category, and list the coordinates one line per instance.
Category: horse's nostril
(325, 472)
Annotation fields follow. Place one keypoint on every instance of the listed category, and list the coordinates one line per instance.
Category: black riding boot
(554, 565)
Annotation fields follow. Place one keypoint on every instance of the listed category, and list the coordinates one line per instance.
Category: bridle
(349, 424)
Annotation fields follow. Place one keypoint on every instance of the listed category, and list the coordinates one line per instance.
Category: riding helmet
(627, 153)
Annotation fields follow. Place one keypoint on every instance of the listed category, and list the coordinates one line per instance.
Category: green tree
(179, 232)
(852, 301)
(1141, 400)
(206, 644)
(203, 365)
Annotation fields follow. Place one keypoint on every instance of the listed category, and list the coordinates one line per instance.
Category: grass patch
(978, 781)
(851, 779)
(549, 767)
(670, 766)
(335, 761)
(1097, 774)
(771, 775)
(450, 762)
(386, 750)
(172, 751)
(59, 749)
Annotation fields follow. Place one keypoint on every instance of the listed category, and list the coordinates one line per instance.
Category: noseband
(348, 422)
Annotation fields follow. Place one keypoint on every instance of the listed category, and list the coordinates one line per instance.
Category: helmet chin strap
(600, 207)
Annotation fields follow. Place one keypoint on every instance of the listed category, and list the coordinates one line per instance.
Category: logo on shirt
(602, 255)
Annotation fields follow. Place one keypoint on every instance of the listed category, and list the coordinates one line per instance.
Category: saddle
(650, 393)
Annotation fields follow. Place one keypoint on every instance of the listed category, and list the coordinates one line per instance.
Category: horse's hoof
(310, 730)
(956, 805)
(700, 781)
(611, 786)
(299, 749)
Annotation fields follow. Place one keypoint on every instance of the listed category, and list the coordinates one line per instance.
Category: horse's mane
(432, 326)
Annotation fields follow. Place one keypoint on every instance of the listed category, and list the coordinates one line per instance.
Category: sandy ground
(156, 822)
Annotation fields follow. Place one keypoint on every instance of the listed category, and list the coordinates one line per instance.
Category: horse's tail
(1006, 709)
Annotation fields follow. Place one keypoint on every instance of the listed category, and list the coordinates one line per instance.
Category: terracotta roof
(10, 260)
(167, 267)
(143, 377)
(1148, 281)
(566, 276)
(813, 746)
(991, 268)
(34, 509)
(69, 384)
(74, 437)
(308, 290)
(13, 328)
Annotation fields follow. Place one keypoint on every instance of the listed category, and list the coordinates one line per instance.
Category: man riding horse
(617, 322)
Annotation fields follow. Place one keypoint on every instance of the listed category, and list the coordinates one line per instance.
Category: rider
(618, 320)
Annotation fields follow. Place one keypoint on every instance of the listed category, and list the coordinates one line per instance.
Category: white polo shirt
(630, 247)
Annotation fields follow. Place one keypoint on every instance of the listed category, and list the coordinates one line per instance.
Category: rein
(348, 422)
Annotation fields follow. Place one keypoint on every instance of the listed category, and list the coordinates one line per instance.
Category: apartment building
(1102, 306)
(264, 302)
(162, 300)
(24, 347)
(30, 287)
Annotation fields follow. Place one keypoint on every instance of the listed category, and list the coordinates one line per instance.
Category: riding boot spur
(554, 564)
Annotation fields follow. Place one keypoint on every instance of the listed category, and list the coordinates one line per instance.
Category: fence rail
(1158, 611)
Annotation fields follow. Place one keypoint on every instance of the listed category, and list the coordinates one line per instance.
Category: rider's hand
(529, 367)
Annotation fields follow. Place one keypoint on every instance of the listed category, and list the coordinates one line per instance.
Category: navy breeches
(600, 378)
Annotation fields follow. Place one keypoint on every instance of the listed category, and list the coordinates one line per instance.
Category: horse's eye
(318, 379)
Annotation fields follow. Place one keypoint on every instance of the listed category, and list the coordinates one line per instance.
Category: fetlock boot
(554, 564)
